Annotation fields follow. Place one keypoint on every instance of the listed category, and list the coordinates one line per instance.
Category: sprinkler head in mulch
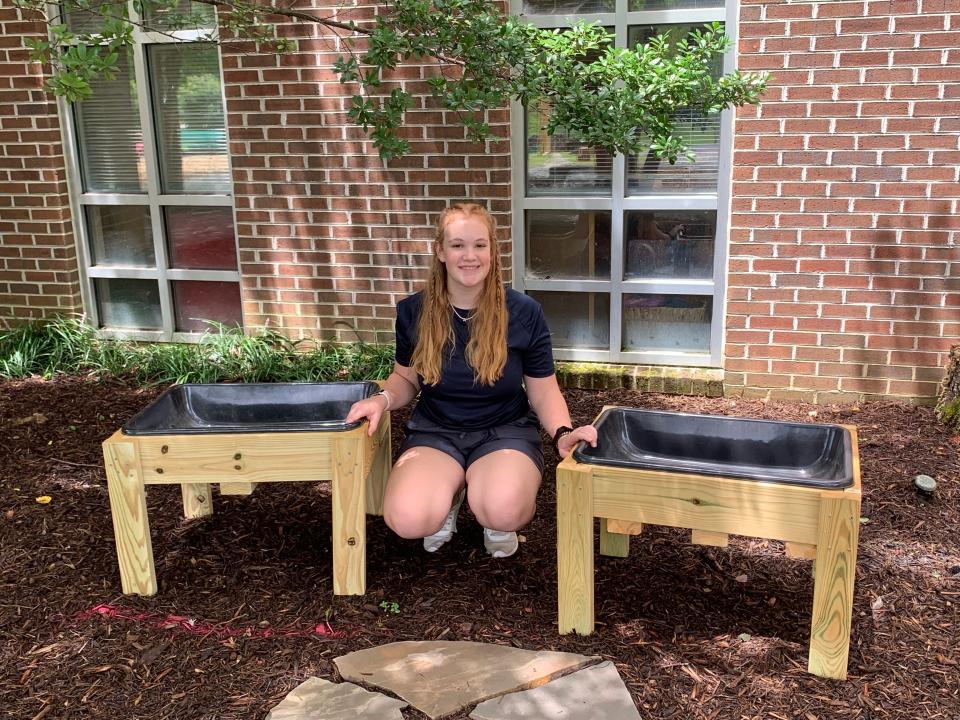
(925, 484)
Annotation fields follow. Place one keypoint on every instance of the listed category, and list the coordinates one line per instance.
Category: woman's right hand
(370, 409)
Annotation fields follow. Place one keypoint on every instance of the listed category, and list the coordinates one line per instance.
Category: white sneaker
(500, 544)
(432, 543)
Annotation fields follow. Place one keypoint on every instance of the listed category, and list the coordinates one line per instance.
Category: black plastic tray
(250, 407)
(816, 455)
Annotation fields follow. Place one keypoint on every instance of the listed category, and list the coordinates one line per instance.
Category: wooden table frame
(356, 465)
(821, 525)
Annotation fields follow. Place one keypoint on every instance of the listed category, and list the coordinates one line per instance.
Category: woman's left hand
(586, 433)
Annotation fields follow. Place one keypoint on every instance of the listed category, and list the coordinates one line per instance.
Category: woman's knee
(411, 514)
(409, 521)
(420, 491)
(506, 506)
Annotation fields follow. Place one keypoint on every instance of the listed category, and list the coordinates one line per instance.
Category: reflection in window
(701, 132)
(183, 15)
(88, 20)
(567, 7)
(189, 116)
(576, 320)
(638, 5)
(201, 238)
(198, 300)
(120, 235)
(670, 243)
(567, 244)
(561, 165)
(128, 304)
(667, 322)
(109, 134)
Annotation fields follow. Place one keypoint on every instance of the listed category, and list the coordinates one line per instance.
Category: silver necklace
(468, 318)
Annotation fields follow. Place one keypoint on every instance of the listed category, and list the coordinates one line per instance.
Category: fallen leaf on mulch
(37, 417)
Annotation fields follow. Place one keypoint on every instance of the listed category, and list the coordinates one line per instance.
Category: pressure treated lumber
(833, 587)
(380, 470)
(814, 523)
(705, 537)
(356, 465)
(197, 502)
(800, 551)
(575, 547)
(613, 543)
(128, 507)
(624, 527)
(349, 521)
(237, 488)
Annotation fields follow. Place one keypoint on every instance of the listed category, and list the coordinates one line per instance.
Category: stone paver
(588, 694)
(319, 699)
(440, 678)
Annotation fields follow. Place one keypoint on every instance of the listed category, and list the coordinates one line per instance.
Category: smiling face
(465, 251)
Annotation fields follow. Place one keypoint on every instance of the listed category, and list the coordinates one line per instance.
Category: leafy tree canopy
(620, 100)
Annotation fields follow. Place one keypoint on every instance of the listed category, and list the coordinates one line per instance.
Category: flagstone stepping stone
(319, 699)
(588, 694)
(442, 677)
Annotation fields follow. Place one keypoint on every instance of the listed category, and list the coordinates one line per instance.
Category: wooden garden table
(817, 524)
(356, 465)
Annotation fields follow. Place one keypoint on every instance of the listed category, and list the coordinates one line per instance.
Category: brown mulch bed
(245, 607)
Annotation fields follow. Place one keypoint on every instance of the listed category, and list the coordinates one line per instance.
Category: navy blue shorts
(469, 446)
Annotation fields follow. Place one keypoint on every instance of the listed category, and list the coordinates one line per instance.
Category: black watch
(561, 431)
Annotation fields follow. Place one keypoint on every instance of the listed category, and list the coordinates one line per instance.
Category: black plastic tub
(250, 407)
(783, 452)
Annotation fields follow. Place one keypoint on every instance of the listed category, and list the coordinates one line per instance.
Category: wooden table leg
(575, 550)
(379, 468)
(836, 564)
(613, 543)
(349, 520)
(128, 507)
(197, 501)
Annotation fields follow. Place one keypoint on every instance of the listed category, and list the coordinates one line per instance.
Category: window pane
(110, 137)
(675, 32)
(180, 15)
(576, 320)
(188, 106)
(567, 244)
(564, 7)
(561, 165)
(87, 21)
(120, 235)
(125, 303)
(651, 175)
(633, 5)
(201, 238)
(197, 300)
(667, 322)
(670, 243)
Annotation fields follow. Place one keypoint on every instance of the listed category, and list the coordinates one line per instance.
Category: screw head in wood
(159, 471)
(237, 456)
(164, 449)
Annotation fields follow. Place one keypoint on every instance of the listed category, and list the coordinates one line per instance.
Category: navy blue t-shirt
(460, 402)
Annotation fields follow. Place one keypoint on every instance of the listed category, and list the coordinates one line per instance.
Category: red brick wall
(38, 265)
(844, 276)
(330, 239)
(845, 234)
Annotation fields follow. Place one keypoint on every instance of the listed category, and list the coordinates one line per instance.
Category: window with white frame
(151, 188)
(627, 255)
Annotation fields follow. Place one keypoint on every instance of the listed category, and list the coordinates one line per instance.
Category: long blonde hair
(486, 351)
